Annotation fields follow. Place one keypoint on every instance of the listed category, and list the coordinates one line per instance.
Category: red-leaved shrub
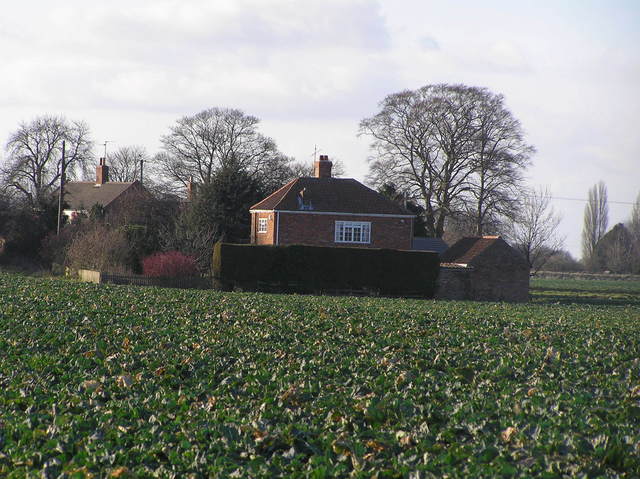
(171, 264)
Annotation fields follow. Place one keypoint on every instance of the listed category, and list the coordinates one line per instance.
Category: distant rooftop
(422, 243)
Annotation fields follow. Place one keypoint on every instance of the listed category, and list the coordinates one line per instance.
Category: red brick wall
(319, 230)
(263, 238)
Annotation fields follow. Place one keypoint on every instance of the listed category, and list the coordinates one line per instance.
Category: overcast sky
(312, 69)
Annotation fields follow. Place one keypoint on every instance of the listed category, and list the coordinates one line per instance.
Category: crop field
(572, 291)
(114, 381)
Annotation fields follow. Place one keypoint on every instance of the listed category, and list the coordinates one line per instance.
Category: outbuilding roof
(469, 248)
(336, 195)
(478, 250)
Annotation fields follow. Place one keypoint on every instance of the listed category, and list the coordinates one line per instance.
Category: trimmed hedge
(316, 269)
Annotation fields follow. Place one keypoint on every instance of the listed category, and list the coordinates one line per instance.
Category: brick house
(483, 269)
(80, 196)
(326, 211)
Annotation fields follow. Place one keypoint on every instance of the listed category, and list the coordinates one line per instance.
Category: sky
(311, 70)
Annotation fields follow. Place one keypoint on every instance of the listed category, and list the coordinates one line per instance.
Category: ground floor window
(353, 232)
(262, 225)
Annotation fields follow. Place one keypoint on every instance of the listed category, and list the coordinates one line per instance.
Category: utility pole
(63, 168)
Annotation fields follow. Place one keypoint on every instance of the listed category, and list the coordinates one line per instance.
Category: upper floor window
(262, 225)
(353, 232)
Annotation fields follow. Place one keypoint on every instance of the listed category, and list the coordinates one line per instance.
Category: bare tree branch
(455, 148)
(199, 146)
(533, 233)
(34, 156)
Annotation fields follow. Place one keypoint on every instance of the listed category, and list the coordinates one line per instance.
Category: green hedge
(316, 269)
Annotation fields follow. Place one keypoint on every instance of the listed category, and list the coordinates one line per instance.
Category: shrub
(55, 247)
(100, 248)
(318, 269)
(171, 264)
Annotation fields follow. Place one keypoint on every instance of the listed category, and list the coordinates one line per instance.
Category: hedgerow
(111, 380)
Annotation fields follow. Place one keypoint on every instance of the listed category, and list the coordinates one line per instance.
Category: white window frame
(263, 225)
(358, 232)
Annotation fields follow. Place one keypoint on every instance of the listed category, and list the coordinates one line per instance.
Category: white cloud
(311, 70)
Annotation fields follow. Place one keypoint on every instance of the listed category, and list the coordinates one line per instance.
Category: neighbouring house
(616, 251)
(327, 211)
(483, 268)
(81, 196)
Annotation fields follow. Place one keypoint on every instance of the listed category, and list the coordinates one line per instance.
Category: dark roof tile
(467, 249)
(82, 195)
(337, 195)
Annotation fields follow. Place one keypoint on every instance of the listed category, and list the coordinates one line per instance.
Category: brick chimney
(102, 172)
(191, 189)
(322, 167)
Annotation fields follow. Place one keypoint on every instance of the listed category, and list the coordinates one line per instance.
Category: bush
(100, 248)
(315, 269)
(171, 264)
(55, 247)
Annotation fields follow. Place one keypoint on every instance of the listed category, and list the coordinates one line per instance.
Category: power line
(585, 201)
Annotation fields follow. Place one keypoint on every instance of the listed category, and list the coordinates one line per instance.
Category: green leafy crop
(113, 381)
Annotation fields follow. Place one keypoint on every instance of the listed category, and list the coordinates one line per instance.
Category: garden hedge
(316, 269)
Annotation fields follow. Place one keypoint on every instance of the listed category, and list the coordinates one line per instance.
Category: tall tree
(634, 229)
(199, 146)
(450, 146)
(34, 156)
(596, 219)
(391, 191)
(534, 231)
(124, 163)
(499, 158)
(217, 210)
(634, 221)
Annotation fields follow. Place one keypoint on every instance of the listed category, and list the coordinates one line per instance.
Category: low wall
(89, 276)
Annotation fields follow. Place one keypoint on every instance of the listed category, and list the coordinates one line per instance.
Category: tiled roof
(422, 243)
(337, 195)
(82, 195)
(469, 248)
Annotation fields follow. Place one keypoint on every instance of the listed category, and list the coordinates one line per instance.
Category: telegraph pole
(61, 193)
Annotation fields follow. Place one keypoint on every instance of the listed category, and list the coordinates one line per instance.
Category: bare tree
(500, 157)
(634, 221)
(596, 219)
(533, 233)
(124, 163)
(199, 146)
(446, 145)
(34, 156)
(634, 229)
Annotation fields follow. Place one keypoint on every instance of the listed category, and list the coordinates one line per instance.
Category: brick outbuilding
(326, 211)
(483, 268)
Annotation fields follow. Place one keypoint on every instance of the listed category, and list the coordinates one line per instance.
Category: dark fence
(138, 280)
